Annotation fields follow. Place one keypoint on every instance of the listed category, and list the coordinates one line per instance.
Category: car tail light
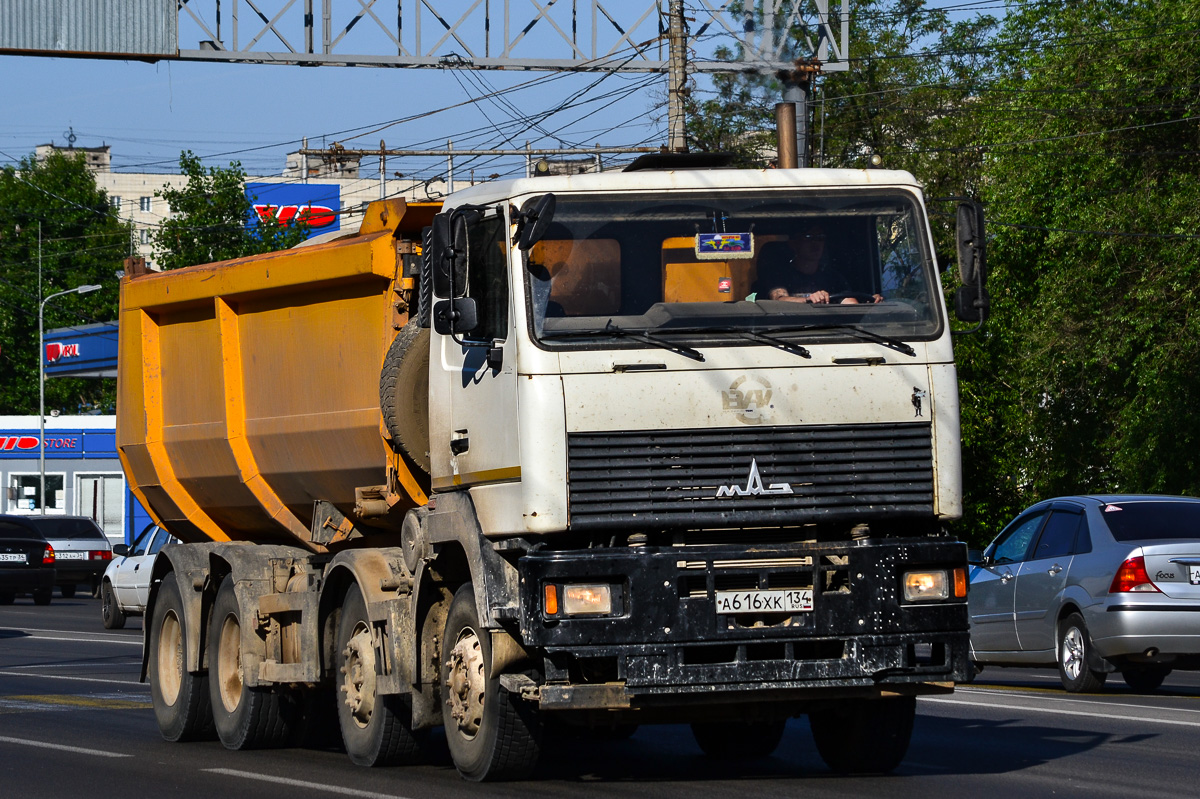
(100, 554)
(48, 556)
(1132, 578)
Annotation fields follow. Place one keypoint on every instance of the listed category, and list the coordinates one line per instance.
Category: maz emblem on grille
(754, 486)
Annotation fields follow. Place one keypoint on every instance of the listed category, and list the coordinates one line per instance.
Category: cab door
(476, 442)
(992, 598)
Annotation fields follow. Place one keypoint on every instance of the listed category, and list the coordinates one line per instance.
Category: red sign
(317, 216)
(9, 443)
(55, 350)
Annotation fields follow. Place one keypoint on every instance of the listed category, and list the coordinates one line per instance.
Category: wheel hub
(466, 683)
(1072, 653)
(358, 676)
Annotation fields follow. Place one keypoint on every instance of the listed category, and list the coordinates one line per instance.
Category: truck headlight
(593, 600)
(926, 586)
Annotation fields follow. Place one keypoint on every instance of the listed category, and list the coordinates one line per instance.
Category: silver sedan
(1094, 585)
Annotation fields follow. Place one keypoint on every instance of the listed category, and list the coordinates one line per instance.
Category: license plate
(1194, 575)
(60, 555)
(794, 601)
(12, 557)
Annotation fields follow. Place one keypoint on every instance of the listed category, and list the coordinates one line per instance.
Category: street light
(42, 384)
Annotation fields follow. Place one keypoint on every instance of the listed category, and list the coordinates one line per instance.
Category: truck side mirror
(451, 251)
(971, 299)
(459, 315)
(971, 303)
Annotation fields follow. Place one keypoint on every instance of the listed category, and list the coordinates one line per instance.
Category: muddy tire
(180, 698)
(1074, 654)
(864, 736)
(491, 734)
(404, 394)
(376, 730)
(244, 717)
(111, 614)
(747, 741)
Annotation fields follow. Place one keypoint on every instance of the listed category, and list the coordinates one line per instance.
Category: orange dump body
(248, 389)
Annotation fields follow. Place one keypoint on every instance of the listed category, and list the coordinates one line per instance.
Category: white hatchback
(125, 587)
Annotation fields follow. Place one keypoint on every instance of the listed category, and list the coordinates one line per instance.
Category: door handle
(1004, 578)
(1055, 569)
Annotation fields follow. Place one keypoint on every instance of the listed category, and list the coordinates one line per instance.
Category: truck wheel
(110, 612)
(245, 717)
(42, 596)
(1145, 679)
(1074, 652)
(68, 591)
(180, 698)
(746, 741)
(376, 730)
(864, 736)
(492, 735)
(404, 393)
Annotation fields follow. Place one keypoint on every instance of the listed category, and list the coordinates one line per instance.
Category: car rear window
(1144, 521)
(67, 528)
(10, 530)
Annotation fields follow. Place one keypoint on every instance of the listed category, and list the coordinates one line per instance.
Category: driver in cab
(795, 271)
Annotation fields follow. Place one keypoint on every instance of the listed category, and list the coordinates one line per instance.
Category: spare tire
(404, 394)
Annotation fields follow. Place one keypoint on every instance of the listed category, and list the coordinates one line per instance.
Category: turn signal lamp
(550, 599)
(926, 586)
(960, 583)
(48, 556)
(1132, 578)
(593, 600)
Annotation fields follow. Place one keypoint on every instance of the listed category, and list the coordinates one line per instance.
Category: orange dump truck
(558, 449)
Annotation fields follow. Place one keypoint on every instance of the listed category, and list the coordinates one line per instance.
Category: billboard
(319, 204)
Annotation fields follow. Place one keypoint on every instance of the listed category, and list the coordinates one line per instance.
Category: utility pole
(677, 80)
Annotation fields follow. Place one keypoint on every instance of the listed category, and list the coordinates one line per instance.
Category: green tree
(211, 219)
(1088, 375)
(82, 242)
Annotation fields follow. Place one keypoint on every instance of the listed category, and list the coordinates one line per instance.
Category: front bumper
(666, 638)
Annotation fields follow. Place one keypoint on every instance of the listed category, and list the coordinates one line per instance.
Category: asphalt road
(75, 721)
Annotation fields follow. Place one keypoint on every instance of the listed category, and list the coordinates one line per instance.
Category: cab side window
(1013, 545)
(1058, 537)
(487, 278)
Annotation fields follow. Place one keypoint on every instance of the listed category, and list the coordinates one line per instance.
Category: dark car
(1094, 585)
(82, 551)
(26, 564)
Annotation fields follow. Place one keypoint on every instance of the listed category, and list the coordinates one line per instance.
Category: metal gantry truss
(542, 35)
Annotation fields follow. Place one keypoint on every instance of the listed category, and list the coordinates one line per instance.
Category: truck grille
(749, 477)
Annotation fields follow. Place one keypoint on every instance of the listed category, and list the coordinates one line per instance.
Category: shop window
(102, 497)
(25, 496)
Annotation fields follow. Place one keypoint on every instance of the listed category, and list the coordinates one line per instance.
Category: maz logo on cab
(749, 398)
(754, 485)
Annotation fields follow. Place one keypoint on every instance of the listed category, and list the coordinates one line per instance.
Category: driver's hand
(819, 297)
(877, 297)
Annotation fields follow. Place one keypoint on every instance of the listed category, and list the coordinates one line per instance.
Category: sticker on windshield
(1111, 508)
(724, 246)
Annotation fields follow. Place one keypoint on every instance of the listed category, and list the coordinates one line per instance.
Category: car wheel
(491, 734)
(43, 596)
(67, 591)
(1074, 652)
(864, 736)
(376, 729)
(110, 612)
(180, 698)
(1145, 679)
(744, 741)
(245, 717)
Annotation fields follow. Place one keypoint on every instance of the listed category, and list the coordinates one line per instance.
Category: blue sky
(255, 114)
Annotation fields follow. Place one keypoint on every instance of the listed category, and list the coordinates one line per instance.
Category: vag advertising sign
(318, 204)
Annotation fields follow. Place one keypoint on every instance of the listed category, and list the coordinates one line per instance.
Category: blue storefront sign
(318, 204)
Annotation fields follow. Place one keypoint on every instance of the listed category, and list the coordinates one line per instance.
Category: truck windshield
(694, 267)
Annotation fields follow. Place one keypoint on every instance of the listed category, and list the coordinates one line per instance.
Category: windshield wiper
(891, 343)
(614, 331)
(764, 338)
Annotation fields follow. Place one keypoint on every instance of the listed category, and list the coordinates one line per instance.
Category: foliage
(82, 242)
(1087, 377)
(210, 219)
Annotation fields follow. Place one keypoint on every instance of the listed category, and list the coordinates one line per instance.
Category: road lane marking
(71, 677)
(312, 786)
(1056, 711)
(17, 704)
(1060, 698)
(126, 642)
(61, 747)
